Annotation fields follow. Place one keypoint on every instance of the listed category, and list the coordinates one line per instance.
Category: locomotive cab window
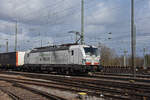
(72, 52)
(91, 51)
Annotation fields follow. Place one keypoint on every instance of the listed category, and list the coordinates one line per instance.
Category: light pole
(144, 53)
(124, 58)
(82, 21)
(133, 39)
(125, 54)
(40, 38)
(6, 45)
(16, 32)
(0, 46)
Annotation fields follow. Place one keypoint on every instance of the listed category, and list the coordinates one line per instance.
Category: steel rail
(96, 88)
(10, 94)
(45, 94)
(111, 84)
(123, 75)
(122, 78)
(73, 85)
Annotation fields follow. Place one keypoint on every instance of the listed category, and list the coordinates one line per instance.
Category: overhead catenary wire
(40, 9)
(67, 23)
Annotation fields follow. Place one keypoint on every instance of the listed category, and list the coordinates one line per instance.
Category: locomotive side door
(74, 56)
(71, 53)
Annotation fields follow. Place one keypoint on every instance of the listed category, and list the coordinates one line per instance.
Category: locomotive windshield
(91, 51)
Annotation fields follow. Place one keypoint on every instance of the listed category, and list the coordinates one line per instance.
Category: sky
(51, 20)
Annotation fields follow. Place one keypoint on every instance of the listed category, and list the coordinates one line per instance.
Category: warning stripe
(96, 63)
(16, 59)
(88, 63)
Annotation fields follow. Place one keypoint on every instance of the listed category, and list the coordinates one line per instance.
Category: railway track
(12, 95)
(122, 74)
(122, 77)
(19, 91)
(119, 90)
(45, 94)
(72, 86)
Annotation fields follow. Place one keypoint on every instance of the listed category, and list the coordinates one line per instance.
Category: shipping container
(12, 59)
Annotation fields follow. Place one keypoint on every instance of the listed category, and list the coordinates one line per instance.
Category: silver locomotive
(67, 58)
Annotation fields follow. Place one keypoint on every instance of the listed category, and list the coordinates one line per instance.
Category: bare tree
(108, 56)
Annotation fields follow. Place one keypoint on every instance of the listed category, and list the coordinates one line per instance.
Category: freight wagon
(11, 59)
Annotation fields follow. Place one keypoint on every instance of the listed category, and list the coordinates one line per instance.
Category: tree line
(110, 58)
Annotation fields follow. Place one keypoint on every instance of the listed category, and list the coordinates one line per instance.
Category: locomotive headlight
(83, 61)
(96, 62)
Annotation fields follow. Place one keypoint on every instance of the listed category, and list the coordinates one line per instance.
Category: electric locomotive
(67, 58)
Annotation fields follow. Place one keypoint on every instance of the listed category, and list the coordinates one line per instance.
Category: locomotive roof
(53, 48)
(49, 48)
